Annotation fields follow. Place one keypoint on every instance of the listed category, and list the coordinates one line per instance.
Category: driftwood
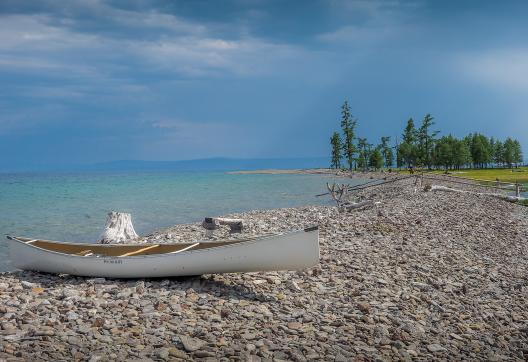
(498, 196)
(213, 223)
(337, 191)
(118, 229)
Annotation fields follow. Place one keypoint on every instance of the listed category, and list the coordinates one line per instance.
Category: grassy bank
(490, 174)
(503, 174)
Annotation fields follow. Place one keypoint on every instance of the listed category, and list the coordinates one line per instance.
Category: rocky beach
(421, 275)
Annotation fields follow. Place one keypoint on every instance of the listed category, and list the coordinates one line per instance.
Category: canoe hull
(291, 251)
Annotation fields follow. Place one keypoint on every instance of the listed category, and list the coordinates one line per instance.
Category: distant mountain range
(213, 164)
(206, 164)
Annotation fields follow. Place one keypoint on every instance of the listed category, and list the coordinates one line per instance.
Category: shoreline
(318, 171)
(424, 274)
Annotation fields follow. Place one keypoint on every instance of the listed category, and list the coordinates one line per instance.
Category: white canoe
(289, 251)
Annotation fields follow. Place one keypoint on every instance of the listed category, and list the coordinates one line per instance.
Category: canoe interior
(121, 250)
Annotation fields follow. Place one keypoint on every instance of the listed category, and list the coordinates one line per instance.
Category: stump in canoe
(118, 229)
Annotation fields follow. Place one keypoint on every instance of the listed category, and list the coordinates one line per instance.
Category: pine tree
(517, 153)
(348, 125)
(337, 147)
(376, 159)
(363, 153)
(386, 151)
(407, 149)
(498, 153)
(509, 152)
(426, 141)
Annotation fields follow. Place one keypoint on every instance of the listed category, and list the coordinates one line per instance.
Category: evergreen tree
(492, 145)
(337, 147)
(444, 152)
(399, 157)
(509, 152)
(498, 153)
(348, 125)
(376, 159)
(462, 154)
(426, 141)
(363, 153)
(386, 151)
(481, 152)
(517, 153)
(409, 134)
(407, 149)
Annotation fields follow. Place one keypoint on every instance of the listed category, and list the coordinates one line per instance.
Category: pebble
(423, 275)
(191, 344)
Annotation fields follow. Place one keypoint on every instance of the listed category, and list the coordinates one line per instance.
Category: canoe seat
(85, 253)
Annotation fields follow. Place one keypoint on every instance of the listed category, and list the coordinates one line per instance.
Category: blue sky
(93, 81)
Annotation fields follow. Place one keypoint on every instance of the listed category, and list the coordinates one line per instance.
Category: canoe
(289, 251)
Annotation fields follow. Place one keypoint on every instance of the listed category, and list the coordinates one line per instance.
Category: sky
(94, 81)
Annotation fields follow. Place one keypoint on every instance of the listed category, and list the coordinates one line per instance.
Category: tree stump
(118, 229)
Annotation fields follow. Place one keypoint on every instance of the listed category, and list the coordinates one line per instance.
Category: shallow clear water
(74, 206)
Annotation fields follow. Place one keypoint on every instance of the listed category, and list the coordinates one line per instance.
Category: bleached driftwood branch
(499, 196)
(337, 191)
(118, 229)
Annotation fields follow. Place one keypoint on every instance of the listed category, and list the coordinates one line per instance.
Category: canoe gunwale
(168, 254)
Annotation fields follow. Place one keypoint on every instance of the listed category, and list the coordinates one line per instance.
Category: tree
(517, 153)
(407, 154)
(462, 154)
(444, 152)
(399, 157)
(426, 141)
(509, 152)
(498, 153)
(363, 153)
(348, 124)
(376, 159)
(407, 149)
(409, 134)
(481, 152)
(386, 151)
(337, 147)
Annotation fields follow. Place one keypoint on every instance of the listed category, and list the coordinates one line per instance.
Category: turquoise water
(73, 206)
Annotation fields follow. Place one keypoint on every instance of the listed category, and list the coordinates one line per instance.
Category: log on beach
(213, 223)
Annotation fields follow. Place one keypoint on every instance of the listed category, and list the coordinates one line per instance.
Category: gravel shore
(423, 275)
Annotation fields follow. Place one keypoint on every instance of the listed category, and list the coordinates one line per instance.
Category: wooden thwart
(139, 251)
(84, 252)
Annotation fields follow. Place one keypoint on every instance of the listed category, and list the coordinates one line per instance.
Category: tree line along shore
(420, 147)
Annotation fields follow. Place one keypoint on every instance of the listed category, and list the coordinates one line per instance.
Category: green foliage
(407, 151)
(517, 153)
(420, 147)
(363, 153)
(498, 152)
(426, 140)
(481, 150)
(348, 125)
(337, 147)
(386, 151)
(376, 159)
